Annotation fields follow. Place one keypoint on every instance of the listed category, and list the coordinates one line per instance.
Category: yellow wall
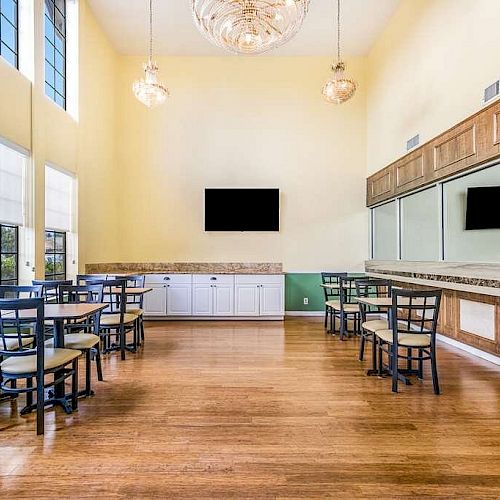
(428, 71)
(85, 146)
(243, 122)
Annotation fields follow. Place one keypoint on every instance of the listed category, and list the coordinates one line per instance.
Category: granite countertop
(466, 276)
(186, 268)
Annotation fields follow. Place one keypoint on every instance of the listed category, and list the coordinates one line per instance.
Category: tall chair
(33, 361)
(50, 288)
(115, 320)
(414, 317)
(331, 289)
(349, 307)
(378, 288)
(83, 336)
(135, 303)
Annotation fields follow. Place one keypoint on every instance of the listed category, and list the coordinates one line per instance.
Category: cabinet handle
(166, 278)
(213, 278)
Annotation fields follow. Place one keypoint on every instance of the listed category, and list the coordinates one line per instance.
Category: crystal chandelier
(249, 26)
(339, 88)
(149, 90)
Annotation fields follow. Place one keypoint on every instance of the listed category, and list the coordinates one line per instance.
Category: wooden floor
(260, 410)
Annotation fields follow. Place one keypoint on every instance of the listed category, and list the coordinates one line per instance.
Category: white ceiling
(126, 23)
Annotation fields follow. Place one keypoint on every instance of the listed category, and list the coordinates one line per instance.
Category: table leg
(59, 390)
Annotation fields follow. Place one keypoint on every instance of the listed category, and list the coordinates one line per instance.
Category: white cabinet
(179, 299)
(259, 295)
(247, 299)
(155, 301)
(213, 295)
(271, 300)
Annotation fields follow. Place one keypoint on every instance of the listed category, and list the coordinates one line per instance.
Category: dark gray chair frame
(75, 294)
(50, 288)
(328, 278)
(370, 287)
(8, 382)
(347, 297)
(137, 281)
(410, 315)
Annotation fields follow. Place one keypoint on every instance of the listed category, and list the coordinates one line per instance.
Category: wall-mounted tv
(482, 208)
(242, 209)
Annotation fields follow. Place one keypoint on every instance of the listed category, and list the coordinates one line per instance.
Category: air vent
(492, 91)
(413, 142)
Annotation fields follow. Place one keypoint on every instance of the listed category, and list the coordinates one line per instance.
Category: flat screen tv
(483, 208)
(242, 209)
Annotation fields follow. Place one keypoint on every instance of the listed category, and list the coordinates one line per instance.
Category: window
(9, 254)
(55, 255)
(55, 51)
(59, 224)
(9, 31)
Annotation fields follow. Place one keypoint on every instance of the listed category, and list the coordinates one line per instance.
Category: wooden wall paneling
(488, 133)
(455, 150)
(381, 186)
(411, 171)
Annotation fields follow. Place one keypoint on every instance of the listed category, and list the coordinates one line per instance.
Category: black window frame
(15, 26)
(51, 89)
(10, 281)
(54, 252)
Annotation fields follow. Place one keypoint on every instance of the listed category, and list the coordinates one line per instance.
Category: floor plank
(260, 410)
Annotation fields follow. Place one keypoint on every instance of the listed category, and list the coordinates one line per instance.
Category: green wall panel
(300, 285)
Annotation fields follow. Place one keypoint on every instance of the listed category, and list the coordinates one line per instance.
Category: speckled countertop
(186, 268)
(466, 276)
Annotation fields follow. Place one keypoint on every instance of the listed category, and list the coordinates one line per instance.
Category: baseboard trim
(214, 318)
(471, 350)
(304, 313)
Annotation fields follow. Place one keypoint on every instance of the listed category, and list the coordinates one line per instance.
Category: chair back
(81, 279)
(136, 281)
(76, 294)
(113, 295)
(50, 288)
(22, 336)
(332, 292)
(20, 291)
(372, 287)
(348, 290)
(415, 311)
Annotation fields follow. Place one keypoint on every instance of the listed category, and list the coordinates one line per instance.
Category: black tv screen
(482, 208)
(242, 209)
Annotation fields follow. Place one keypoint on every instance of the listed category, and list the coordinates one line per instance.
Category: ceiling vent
(413, 142)
(492, 91)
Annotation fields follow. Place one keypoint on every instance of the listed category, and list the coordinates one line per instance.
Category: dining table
(59, 313)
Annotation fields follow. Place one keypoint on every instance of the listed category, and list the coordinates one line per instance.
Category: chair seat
(405, 339)
(334, 304)
(12, 344)
(114, 319)
(77, 341)
(54, 358)
(136, 311)
(348, 308)
(375, 324)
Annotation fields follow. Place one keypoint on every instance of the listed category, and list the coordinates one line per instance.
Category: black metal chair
(331, 289)
(50, 288)
(414, 317)
(349, 307)
(83, 336)
(135, 303)
(378, 288)
(28, 361)
(81, 279)
(115, 320)
(21, 291)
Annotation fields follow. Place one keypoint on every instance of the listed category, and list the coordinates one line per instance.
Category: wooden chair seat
(77, 341)
(375, 325)
(405, 339)
(136, 311)
(54, 358)
(108, 320)
(348, 308)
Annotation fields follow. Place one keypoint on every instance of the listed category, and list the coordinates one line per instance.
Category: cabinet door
(179, 300)
(223, 300)
(247, 300)
(271, 300)
(155, 302)
(202, 300)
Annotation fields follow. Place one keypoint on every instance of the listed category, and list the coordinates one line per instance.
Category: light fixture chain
(150, 30)
(338, 30)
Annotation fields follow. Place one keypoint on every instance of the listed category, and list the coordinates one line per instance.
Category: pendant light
(149, 90)
(339, 88)
(249, 26)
